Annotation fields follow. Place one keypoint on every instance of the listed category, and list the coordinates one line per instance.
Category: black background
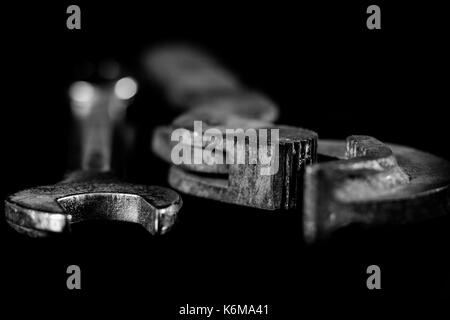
(325, 70)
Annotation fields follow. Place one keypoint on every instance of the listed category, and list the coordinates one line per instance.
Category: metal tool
(187, 74)
(227, 107)
(92, 192)
(368, 182)
(228, 111)
(240, 183)
(244, 184)
(371, 183)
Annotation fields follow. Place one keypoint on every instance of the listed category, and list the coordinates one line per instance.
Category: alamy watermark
(74, 278)
(227, 146)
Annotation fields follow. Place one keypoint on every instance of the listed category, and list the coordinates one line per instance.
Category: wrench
(369, 182)
(243, 184)
(92, 191)
(187, 75)
(223, 107)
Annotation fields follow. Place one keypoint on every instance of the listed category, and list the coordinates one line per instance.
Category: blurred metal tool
(187, 75)
(92, 192)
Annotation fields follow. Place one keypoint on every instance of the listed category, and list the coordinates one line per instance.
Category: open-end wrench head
(244, 184)
(52, 209)
(373, 184)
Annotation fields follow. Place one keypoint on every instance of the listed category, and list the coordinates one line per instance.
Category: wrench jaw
(162, 146)
(251, 190)
(121, 207)
(161, 209)
(36, 213)
(58, 206)
(164, 218)
(376, 185)
(34, 223)
(335, 191)
(245, 185)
